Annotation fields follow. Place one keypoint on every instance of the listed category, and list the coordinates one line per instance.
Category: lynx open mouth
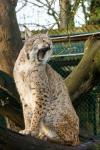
(42, 52)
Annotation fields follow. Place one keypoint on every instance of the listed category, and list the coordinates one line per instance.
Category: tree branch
(50, 10)
(17, 141)
(85, 68)
(10, 107)
(21, 7)
(33, 3)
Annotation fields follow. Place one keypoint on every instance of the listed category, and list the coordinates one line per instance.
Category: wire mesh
(86, 111)
(68, 48)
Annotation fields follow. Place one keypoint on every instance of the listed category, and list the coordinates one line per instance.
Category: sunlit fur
(47, 108)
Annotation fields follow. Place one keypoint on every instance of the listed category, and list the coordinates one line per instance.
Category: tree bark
(67, 13)
(10, 45)
(10, 41)
(63, 13)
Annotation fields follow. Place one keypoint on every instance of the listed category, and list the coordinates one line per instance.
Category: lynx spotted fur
(47, 108)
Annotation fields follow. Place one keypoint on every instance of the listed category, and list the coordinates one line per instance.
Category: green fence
(68, 48)
(89, 114)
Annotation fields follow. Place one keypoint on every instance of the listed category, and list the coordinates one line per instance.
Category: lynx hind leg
(68, 136)
(68, 130)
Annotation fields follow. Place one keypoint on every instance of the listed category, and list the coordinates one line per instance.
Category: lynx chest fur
(47, 108)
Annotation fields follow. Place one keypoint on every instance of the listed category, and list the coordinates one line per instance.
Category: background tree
(64, 16)
(94, 12)
(67, 13)
(10, 45)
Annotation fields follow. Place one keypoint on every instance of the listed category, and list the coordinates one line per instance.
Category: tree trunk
(10, 44)
(67, 13)
(66, 17)
(10, 39)
(63, 14)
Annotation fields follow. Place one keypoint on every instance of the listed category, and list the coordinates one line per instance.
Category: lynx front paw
(28, 132)
(25, 132)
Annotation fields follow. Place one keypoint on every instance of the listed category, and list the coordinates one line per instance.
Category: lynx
(47, 108)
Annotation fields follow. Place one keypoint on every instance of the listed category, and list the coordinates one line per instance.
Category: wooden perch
(13, 140)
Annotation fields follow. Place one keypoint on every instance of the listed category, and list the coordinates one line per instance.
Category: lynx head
(38, 48)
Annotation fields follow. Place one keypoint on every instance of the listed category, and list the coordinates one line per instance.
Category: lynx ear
(28, 33)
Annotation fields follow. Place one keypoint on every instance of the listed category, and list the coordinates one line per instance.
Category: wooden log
(15, 141)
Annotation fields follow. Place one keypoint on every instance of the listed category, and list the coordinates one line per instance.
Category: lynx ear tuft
(28, 33)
